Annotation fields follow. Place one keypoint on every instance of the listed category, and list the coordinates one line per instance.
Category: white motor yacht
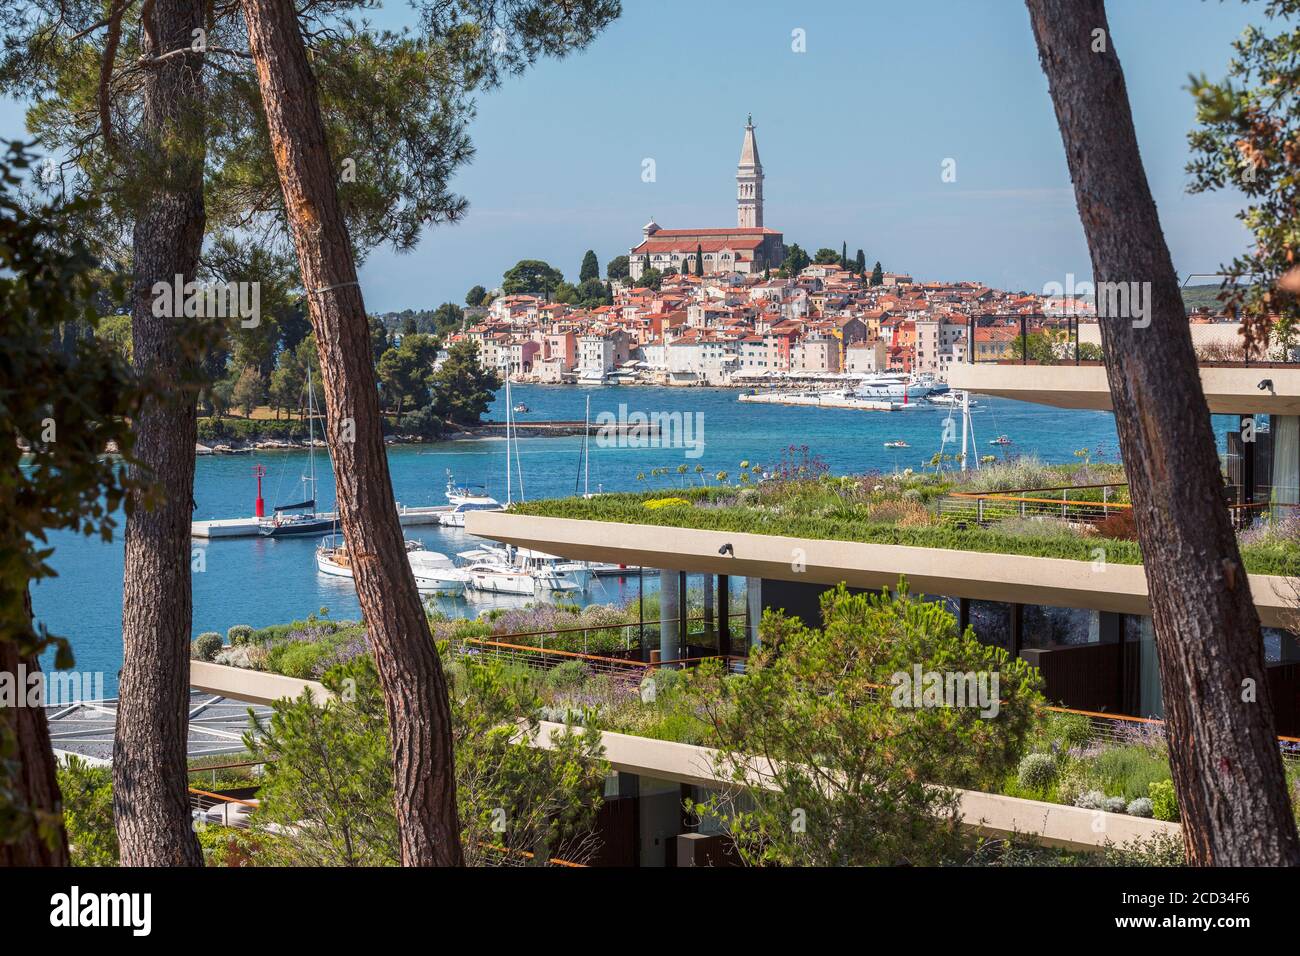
(577, 572)
(434, 572)
(460, 494)
(484, 554)
(499, 579)
(524, 575)
(948, 399)
(891, 387)
(455, 518)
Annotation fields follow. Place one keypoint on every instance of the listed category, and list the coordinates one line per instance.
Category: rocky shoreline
(234, 446)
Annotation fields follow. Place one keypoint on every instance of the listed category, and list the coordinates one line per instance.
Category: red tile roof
(709, 245)
(734, 231)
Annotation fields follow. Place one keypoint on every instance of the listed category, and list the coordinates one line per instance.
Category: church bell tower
(749, 182)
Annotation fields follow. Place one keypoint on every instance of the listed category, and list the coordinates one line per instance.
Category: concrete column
(724, 614)
(683, 612)
(708, 604)
(753, 609)
(669, 612)
(1247, 467)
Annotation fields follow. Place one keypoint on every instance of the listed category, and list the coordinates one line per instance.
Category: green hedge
(845, 526)
(251, 429)
(848, 525)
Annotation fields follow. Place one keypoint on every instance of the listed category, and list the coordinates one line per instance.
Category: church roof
(729, 231)
(689, 244)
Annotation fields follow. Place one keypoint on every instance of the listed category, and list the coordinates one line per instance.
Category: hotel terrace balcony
(1047, 362)
(1271, 389)
(1050, 574)
(1254, 396)
(1058, 365)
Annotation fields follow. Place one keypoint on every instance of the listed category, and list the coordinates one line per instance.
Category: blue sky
(852, 134)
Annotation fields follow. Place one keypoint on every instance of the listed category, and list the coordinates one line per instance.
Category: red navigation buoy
(259, 473)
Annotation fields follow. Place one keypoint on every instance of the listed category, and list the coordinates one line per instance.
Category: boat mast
(974, 441)
(965, 415)
(311, 442)
(509, 477)
(519, 465)
(586, 451)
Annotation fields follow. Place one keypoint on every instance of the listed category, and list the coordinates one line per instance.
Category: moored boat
(455, 518)
(434, 572)
(286, 522)
(501, 578)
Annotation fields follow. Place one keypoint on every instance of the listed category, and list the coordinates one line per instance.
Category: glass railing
(1076, 340)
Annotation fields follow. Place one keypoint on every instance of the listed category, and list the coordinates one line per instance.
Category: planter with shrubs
(206, 646)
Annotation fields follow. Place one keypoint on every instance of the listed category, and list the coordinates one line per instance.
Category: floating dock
(248, 527)
(826, 400)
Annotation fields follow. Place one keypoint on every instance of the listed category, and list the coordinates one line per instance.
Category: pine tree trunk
(32, 776)
(1226, 765)
(150, 802)
(415, 692)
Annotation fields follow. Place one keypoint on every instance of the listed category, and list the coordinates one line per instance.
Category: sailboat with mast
(592, 568)
(467, 498)
(518, 571)
(584, 458)
(300, 519)
(966, 460)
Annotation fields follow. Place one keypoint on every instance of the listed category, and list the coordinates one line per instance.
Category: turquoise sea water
(260, 581)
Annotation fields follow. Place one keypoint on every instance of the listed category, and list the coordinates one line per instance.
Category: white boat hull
(439, 583)
(435, 573)
(429, 578)
(326, 566)
(517, 581)
(891, 393)
(503, 584)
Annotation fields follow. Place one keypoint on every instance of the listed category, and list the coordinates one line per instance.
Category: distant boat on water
(463, 494)
(455, 518)
(286, 523)
(890, 387)
(948, 399)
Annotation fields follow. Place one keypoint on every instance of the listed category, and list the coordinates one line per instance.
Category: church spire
(749, 181)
